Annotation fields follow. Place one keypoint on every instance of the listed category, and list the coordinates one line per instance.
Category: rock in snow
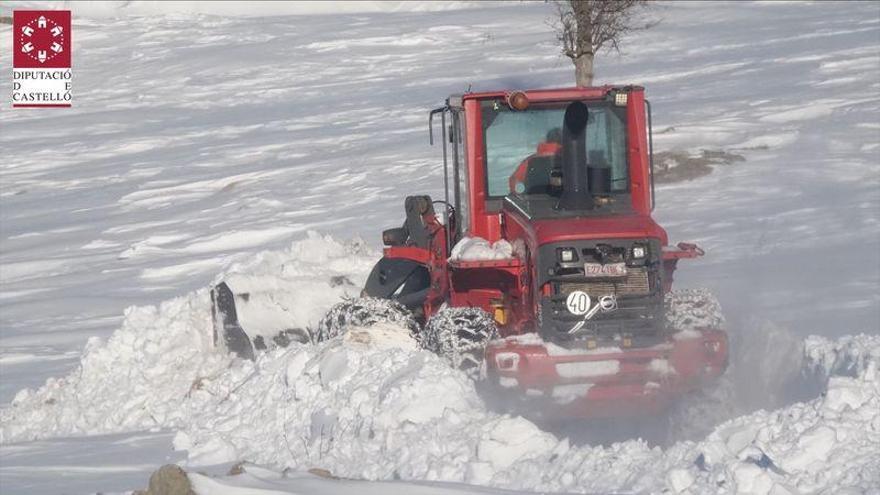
(372, 405)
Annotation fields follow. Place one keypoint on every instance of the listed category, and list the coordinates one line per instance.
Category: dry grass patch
(677, 166)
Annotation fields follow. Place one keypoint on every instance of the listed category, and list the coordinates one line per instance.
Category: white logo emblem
(37, 35)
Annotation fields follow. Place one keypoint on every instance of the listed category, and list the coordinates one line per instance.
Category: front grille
(636, 282)
(635, 315)
(639, 300)
(639, 294)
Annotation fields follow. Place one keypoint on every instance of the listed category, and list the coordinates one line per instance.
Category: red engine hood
(611, 227)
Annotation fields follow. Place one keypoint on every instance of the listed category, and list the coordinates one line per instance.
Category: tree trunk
(583, 70)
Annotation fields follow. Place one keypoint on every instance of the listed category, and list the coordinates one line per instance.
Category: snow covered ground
(197, 141)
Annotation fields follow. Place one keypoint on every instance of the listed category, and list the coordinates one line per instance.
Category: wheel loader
(568, 301)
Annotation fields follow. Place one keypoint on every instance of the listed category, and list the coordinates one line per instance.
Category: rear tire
(460, 335)
(363, 312)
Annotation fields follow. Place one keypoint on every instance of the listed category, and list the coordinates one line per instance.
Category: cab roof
(550, 94)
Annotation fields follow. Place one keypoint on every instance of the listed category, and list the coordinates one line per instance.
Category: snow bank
(294, 289)
(829, 443)
(145, 374)
(380, 412)
(136, 380)
(358, 408)
(848, 355)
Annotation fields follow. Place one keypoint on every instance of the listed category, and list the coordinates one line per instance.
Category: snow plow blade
(228, 332)
(257, 319)
(604, 382)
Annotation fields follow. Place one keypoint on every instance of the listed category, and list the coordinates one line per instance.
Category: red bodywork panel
(574, 229)
(639, 385)
(608, 383)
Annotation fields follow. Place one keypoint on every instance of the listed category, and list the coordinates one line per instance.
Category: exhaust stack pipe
(575, 181)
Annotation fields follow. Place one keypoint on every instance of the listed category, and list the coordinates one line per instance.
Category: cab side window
(460, 177)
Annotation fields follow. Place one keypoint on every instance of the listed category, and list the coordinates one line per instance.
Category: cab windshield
(523, 148)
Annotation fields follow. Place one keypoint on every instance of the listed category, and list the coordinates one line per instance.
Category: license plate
(598, 270)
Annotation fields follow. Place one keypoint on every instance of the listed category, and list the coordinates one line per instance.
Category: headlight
(639, 252)
(567, 255)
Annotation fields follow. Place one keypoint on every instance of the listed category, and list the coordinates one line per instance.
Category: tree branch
(583, 27)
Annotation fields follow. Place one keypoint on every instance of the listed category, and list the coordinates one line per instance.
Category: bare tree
(584, 27)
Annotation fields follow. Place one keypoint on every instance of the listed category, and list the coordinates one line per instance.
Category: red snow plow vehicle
(545, 271)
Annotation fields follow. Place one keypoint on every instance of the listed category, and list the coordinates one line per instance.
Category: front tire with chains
(460, 335)
(692, 309)
(363, 312)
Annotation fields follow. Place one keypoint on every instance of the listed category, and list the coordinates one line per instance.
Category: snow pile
(849, 355)
(136, 380)
(294, 289)
(371, 411)
(251, 479)
(362, 407)
(368, 410)
(372, 405)
(145, 374)
(479, 249)
(831, 442)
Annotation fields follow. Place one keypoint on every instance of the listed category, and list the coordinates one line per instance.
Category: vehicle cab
(565, 177)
